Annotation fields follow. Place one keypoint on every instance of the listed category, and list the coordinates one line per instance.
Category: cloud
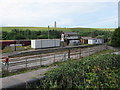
(110, 22)
(45, 12)
(19, 10)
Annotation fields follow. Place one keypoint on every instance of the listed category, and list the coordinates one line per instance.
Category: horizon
(53, 27)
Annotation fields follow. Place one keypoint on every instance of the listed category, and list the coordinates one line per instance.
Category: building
(84, 40)
(71, 38)
(95, 41)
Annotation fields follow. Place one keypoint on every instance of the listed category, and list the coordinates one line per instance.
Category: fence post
(40, 60)
(96, 49)
(89, 51)
(106, 46)
(80, 54)
(7, 69)
(26, 63)
(54, 58)
(68, 53)
(65, 56)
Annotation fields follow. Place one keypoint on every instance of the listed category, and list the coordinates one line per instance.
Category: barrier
(43, 59)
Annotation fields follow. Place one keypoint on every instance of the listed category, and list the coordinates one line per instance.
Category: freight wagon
(45, 43)
(4, 43)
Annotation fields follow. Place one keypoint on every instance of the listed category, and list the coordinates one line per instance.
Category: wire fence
(39, 60)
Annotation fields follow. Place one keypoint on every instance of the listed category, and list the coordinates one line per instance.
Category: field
(59, 29)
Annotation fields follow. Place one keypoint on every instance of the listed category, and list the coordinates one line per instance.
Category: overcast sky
(67, 13)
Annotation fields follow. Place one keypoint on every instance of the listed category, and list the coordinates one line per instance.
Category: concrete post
(68, 53)
(54, 58)
(80, 54)
(40, 60)
(26, 63)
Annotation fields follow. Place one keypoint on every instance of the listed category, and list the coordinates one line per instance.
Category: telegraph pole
(15, 44)
(48, 32)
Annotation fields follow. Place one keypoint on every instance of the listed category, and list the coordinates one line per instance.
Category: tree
(116, 38)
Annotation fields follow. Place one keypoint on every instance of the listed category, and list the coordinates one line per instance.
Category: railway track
(26, 62)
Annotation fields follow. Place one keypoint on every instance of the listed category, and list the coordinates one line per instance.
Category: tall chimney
(55, 24)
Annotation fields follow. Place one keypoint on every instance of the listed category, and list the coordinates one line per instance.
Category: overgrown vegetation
(116, 38)
(97, 34)
(96, 71)
(18, 48)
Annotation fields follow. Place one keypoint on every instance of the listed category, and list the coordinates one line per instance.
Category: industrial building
(95, 41)
(72, 38)
(84, 40)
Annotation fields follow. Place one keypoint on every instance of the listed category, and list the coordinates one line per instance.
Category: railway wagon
(45, 43)
(4, 43)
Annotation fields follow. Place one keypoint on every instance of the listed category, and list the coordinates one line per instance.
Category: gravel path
(15, 80)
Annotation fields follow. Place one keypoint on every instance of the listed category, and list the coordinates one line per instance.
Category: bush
(116, 38)
(101, 71)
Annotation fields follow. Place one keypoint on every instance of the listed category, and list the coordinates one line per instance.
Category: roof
(71, 33)
(86, 37)
(89, 38)
(95, 39)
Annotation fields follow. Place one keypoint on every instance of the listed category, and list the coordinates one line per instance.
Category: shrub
(101, 71)
(116, 38)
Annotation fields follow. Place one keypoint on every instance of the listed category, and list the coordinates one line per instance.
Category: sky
(67, 13)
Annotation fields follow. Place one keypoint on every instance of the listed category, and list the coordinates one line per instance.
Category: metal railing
(39, 60)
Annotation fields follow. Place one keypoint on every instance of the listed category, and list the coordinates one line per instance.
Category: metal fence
(28, 62)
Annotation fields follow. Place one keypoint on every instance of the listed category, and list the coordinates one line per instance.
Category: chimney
(55, 24)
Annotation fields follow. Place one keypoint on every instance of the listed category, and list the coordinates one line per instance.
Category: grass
(6, 74)
(8, 49)
(8, 29)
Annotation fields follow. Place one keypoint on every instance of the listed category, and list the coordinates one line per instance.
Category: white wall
(90, 41)
(74, 42)
(44, 43)
(99, 41)
(95, 41)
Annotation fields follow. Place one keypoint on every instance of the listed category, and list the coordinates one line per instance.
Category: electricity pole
(48, 32)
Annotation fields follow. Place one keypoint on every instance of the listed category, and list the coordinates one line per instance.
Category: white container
(45, 43)
(91, 41)
(95, 41)
(74, 42)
